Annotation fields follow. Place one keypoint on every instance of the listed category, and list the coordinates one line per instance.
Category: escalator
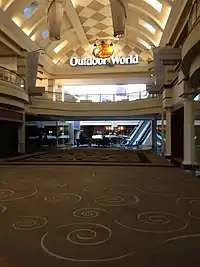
(136, 135)
(159, 138)
(147, 125)
(142, 135)
(135, 130)
(133, 133)
(145, 136)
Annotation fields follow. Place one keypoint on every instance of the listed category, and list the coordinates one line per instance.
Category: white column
(51, 84)
(59, 93)
(168, 132)
(154, 134)
(22, 136)
(22, 68)
(71, 133)
(57, 143)
(162, 133)
(189, 132)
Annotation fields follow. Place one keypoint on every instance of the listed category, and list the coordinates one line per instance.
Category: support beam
(59, 93)
(168, 133)
(154, 134)
(143, 35)
(51, 85)
(73, 17)
(146, 13)
(22, 136)
(189, 133)
(134, 42)
(162, 132)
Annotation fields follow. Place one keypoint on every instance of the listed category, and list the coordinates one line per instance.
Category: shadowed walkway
(99, 215)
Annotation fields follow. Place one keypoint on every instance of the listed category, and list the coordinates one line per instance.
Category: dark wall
(177, 133)
(197, 134)
(8, 138)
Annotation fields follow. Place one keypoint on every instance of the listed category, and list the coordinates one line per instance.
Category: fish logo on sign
(103, 50)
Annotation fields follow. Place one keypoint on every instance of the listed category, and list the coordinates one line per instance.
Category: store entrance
(8, 138)
(177, 135)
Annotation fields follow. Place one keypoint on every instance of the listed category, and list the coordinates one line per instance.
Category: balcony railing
(97, 97)
(11, 77)
(194, 16)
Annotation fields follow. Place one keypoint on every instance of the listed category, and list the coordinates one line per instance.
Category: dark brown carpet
(73, 216)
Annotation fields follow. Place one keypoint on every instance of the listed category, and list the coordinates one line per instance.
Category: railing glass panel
(11, 77)
(101, 97)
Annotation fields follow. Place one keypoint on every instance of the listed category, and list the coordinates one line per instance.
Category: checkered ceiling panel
(95, 16)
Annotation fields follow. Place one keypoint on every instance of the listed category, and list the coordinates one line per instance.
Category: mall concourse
(99, 133)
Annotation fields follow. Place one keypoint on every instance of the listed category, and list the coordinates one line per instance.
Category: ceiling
(85, 21)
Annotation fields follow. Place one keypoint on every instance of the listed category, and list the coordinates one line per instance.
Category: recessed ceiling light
(17, 21)
(74, 3)
(27, 32)
(60, 46)
(45, 34)
(157, 5)
(30, 10)
(55, 61)
(33, 37)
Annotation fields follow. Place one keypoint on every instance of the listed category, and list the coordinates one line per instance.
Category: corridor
(98, 208)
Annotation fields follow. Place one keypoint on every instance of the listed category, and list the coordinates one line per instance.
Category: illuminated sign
(103, 50)
(130, 60)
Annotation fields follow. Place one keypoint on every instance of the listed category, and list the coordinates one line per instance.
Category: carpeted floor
(73, 216)
(103, 157)
(87, 155)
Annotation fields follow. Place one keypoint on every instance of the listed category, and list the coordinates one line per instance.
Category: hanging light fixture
(119, 15)
(55, 17)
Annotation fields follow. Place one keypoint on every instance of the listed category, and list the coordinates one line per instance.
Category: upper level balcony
(191, 46)
(12, 88)
(99, 98)
(96, 105)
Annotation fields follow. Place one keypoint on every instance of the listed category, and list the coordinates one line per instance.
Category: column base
(154, 148)
(189, 166)
(169, 157)
(22, 149)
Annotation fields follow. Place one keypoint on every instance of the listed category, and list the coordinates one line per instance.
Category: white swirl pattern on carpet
(155, 222)
(11, 195)
(89, 213)
(117, 199)
(86, 236)
(63, 196)
(29, 223)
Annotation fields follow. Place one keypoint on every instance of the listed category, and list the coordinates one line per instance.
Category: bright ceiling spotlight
(119, 15)
(55, 18)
